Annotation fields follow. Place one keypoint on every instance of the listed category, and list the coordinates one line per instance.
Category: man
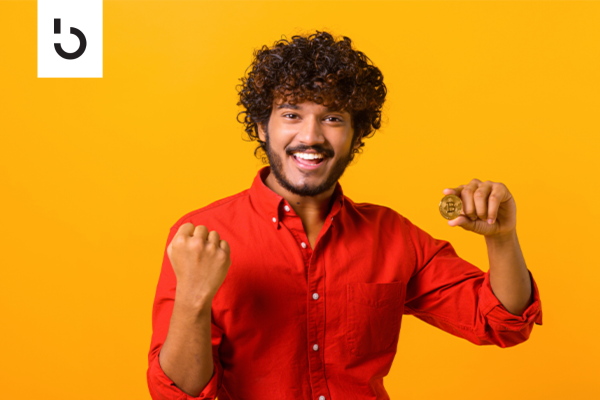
(289, 289)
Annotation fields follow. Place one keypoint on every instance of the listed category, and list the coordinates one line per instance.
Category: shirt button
(321, 397)
(303, 245)
(286, 208)
(274, 219)
(316, 296)
(316, 347)
(332, 218)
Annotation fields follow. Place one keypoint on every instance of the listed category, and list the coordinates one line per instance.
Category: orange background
(95, 172)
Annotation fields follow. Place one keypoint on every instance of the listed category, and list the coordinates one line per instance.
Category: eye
(335, 118)
(294, 115)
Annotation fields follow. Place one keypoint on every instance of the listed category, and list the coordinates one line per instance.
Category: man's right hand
(200, 261)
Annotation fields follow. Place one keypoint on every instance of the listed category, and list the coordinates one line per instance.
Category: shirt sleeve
(454, 295)
(161, 387)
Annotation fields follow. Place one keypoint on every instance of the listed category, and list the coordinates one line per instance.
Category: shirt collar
(270, 205)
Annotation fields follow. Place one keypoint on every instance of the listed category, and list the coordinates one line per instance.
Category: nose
(311, 132)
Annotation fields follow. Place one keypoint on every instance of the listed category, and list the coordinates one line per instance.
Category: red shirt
(290, 322)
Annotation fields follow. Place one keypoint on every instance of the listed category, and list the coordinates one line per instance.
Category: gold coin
(450, 206)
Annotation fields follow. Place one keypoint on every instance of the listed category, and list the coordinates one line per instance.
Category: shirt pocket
(374, 314)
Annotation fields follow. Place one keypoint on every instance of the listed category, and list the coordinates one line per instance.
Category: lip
(307, 166)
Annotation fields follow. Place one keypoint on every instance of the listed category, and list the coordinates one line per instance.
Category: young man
(290, 290)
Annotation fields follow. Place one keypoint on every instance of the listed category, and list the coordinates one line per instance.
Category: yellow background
(95, 171)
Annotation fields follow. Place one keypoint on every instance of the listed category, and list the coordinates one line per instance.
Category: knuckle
(222, 256)
(196, 243)
(479, 194)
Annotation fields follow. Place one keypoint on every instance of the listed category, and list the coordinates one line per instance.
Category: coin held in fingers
(450, 206)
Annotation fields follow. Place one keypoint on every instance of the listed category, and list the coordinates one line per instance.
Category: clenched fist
(200, 261)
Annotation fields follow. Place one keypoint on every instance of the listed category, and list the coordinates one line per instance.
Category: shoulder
(210, 213)
(371, 210)
(380, 216)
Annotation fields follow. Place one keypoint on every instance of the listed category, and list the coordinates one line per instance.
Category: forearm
(186, 355)
(509, 277)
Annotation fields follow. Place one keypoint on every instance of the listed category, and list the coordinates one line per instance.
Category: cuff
(500, 318)
(164, 388)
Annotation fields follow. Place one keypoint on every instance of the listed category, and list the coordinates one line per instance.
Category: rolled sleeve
(511, 329)
(163, 388)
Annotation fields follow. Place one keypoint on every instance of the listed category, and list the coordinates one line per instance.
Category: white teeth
(308, 156)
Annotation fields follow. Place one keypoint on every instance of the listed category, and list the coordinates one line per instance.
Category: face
(307, 127)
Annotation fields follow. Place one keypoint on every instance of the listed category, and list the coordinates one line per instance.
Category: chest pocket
(374, 313)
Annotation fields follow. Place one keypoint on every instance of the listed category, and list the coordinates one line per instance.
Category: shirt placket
(313, 263)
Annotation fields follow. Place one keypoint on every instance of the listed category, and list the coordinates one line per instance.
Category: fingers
(214, 238)
(466, 195)
(480, 198)
(201, 231)
(473, 196)
(455, 191)
(497, 196)
(186, 229)
(225, 247)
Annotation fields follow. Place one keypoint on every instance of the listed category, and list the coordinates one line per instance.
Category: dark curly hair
(313, 68)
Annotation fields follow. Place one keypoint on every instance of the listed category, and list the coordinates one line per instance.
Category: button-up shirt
(293, 322)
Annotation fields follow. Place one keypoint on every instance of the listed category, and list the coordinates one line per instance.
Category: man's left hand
(488, 208)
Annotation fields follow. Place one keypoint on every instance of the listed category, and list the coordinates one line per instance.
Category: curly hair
(313, 68)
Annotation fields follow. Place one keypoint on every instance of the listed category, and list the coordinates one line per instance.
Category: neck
(311, 209)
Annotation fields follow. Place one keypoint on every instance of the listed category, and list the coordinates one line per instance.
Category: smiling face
(307, 128)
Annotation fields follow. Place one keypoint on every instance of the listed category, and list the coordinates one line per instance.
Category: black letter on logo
(76, 32)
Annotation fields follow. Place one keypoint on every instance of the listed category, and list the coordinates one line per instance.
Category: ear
(261, 132)
(357, 141)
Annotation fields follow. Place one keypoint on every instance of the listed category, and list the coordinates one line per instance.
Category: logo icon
(70, 34)
(74, 31)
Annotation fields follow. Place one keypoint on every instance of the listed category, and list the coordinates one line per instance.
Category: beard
(305, 190)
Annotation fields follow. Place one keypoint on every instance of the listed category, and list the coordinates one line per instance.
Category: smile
(308, 164)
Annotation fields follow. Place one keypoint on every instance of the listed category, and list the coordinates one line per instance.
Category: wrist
(502, 238)
(192, 301)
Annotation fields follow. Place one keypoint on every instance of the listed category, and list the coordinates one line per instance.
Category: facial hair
(276, 164)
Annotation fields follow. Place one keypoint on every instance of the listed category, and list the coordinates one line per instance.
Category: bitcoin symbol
(450, 206)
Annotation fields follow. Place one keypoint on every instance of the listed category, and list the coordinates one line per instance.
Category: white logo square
(69, 38)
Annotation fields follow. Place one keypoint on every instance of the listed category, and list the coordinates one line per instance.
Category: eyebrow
(297, 107)
(286, 105)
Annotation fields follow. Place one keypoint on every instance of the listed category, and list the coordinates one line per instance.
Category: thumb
(463, 221)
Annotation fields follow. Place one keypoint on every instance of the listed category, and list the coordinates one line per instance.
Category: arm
(509, 276)
(454, 295)
(186, 356)
(185, 342)
(490, 210)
